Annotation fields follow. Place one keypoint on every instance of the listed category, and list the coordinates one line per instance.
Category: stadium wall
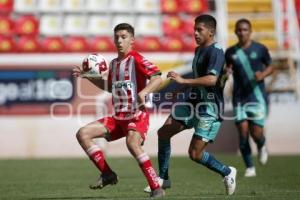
(44, 136)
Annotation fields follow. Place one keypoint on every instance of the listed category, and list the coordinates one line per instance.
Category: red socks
(148, 170)
(97, 156)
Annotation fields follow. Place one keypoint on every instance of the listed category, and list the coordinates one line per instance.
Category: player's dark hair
(208, 20)
(124, 26)
(241, 21)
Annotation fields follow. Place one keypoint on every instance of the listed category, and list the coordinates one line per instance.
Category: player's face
(123, 41)
(203, 35)
(243, 32)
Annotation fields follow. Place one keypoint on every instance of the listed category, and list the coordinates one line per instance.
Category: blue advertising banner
(35, 86)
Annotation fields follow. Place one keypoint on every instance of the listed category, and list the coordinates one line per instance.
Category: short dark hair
(209, 21)
(241, 21)
(124, 26)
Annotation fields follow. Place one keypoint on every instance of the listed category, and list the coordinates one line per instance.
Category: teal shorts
(256, 113)
(206, 126)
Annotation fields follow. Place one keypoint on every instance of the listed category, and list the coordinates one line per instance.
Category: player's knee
(194, 155)
(162, 133)
(132, 142)
(82, 134)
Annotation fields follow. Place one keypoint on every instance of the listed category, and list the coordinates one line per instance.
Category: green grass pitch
(69, 179)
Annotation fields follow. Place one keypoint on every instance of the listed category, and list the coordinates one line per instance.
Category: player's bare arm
(98, 82)
(261, 75)
(152, 86)
(208, 80)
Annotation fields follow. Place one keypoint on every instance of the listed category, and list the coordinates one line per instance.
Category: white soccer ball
(95, 66)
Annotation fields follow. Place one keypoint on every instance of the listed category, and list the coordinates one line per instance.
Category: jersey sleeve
(145, 67)
(216, 61)
(266, 58)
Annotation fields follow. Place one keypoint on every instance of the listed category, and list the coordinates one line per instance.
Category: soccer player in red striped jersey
(127, 81)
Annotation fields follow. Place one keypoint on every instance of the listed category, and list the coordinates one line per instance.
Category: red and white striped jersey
(128, 77)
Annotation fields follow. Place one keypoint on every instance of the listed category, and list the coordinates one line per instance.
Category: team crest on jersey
(234, 56)
(253, 55)
(126, 73)
(132, 124)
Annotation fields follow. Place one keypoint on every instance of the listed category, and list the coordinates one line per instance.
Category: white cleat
(164, 184)
(263, 155)
(230, 181)
(250, 172)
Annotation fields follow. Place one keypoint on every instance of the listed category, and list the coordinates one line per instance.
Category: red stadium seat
(7, 45)
(173, 44)
(6, 26)
(76, 44)
(148, 44)
(6, 6)
(27, 25)
(170, 6)
(27, 44)
(172, 25)
(189, 24)
(189, 43)
(53, 44)
(102, 44)
(194, 6)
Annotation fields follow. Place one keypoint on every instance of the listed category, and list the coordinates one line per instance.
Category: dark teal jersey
(245, 62)
(208, 61)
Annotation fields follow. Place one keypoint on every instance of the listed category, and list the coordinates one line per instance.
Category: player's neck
(122, 55)
(206, 44)
(245, 45)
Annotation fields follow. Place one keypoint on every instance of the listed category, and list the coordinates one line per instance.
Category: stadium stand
(6, 26)
(48, 24)
(260, 12)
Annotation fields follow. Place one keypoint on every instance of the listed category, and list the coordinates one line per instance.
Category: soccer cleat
(159, 192)
(250, 172)
(263, 155)
(230, 182)
(104, 180)
(164, 184)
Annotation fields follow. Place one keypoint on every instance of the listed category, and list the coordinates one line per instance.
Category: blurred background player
(202, 110)
(250, 63)
(127, 78)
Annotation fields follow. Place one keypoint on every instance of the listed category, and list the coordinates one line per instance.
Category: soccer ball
(95, 66)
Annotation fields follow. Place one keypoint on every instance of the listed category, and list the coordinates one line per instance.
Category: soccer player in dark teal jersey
(250, 63)
(202, 110)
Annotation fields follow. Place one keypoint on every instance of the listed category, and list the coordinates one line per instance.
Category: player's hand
(141, 100)
(259, 76)
(176, 77)
(77, 71)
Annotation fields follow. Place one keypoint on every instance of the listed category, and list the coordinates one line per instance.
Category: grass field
(69, 178)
